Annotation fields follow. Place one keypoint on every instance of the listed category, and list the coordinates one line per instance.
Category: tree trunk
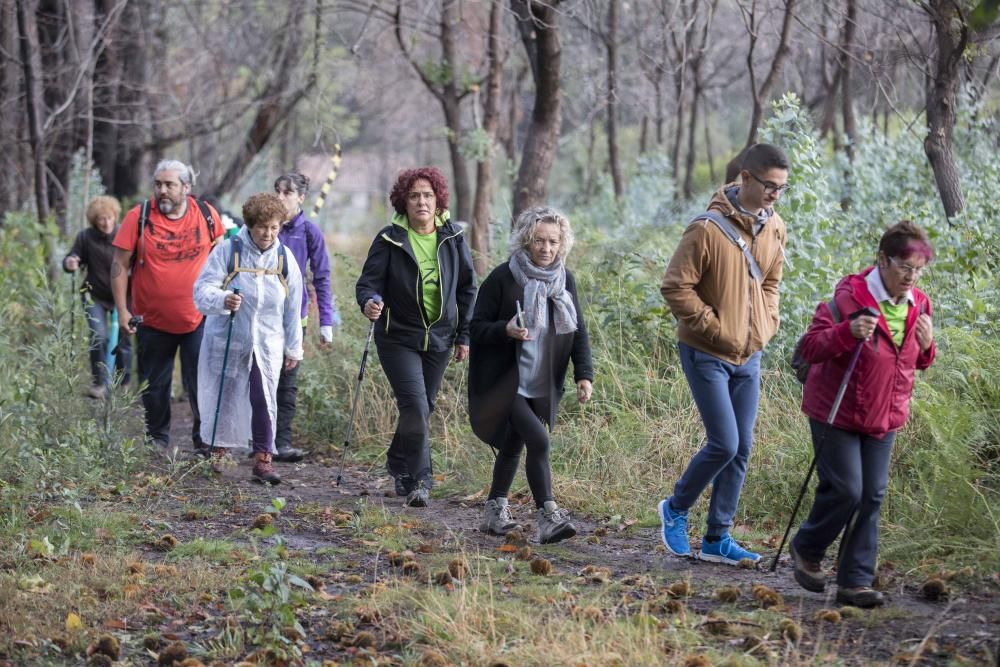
(539, 27)
(31, 64)
(451, 101)
(611, 44)
(692, 129)
(710, 154)
(276, 103)
(762, 94)
(942, 102)
(588, 180)
(847, 93)
(658, 94)
(644, 134)
(450, 97)
(675, 147)
(480, 237)
(12, 120)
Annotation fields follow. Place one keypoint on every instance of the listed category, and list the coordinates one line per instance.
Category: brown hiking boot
(263, 471)
(808, 573)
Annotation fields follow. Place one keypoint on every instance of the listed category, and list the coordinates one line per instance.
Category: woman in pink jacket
(852, 455)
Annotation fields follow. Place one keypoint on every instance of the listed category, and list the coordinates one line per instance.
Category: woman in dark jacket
(421, 268)
(852, 455)
(526, 327)
(92, 249)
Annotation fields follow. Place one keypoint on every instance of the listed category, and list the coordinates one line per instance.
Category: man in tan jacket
(722, 286)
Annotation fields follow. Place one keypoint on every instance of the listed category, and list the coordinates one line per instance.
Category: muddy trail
(316, 526)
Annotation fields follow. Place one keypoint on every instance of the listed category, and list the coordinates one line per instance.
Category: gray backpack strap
(727, 228)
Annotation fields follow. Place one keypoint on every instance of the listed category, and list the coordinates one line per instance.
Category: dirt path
(967, 625)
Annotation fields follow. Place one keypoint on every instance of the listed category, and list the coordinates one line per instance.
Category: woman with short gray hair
(526, 327)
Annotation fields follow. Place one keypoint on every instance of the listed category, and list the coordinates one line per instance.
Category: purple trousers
(260, 420)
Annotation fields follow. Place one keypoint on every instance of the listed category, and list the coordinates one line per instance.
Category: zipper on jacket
(746, 347)
(427, 327)
(419, 293)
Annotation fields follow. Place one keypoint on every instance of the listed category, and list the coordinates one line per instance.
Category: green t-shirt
(895, 317)
(425, 250)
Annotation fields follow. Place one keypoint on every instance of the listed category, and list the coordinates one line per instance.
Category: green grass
(216, 551)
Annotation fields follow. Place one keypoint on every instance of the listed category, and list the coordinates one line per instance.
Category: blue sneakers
(674, 529)
(726, 551)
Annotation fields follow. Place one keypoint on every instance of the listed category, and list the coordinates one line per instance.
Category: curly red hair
(405, 180)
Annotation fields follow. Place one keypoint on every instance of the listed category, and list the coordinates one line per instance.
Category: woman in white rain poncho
(267, 334)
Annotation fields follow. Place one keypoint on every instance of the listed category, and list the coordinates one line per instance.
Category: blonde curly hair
(526, 228)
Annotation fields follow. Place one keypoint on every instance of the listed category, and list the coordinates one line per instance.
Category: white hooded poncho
(267, 325)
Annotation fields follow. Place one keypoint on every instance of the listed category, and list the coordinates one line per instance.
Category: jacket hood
(720, 202)
(250, 248)
(440, 219)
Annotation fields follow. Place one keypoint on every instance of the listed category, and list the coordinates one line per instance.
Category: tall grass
(51, 436)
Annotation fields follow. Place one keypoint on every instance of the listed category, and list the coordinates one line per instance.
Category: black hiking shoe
(863, 597)
(419, 496)
(288, 455)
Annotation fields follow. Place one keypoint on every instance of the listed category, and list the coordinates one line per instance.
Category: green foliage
(51, 436)
(270, 596)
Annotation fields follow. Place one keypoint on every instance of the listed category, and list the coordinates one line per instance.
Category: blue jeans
(97, 322)
(727, 397)
(853, 470)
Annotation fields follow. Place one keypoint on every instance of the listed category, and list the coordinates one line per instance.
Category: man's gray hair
(185, 172)
(526, 226)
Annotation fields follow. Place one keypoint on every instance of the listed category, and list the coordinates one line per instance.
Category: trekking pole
(829, 425)
(72, 306)
(357, 393)
(225, 359)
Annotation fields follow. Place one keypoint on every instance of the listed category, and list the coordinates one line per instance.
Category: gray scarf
(540, 285)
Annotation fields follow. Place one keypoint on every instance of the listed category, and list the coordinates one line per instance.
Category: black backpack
(144, 221)
(800, 365)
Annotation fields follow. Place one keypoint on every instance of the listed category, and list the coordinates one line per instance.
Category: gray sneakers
(554, 525)
(497, 519)
(419, 496)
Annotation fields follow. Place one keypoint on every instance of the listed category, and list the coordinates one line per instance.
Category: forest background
(625, 114)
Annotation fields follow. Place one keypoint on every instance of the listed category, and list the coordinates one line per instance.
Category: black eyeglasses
(769, 187)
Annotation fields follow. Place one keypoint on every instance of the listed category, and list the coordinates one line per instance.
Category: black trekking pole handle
(357, 393)
(834, 409)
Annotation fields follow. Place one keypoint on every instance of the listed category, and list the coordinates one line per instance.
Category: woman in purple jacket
(304, 240)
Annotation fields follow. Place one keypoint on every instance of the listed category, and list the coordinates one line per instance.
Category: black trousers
(288, 391)
(157, 350)
(527, 431)
(415, 378)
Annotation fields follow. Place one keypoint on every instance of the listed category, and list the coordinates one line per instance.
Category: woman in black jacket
(421, 268)
(526, 327)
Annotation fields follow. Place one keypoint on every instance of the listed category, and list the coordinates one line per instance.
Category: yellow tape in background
(325, 190)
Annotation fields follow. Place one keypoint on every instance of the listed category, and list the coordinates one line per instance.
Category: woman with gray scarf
(526, 327)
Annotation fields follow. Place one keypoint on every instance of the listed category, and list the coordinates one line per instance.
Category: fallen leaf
(73, 623)
(33, 584)
(116, 623)
(507, 548)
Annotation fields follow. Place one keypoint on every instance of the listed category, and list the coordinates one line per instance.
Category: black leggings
(527, 431)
